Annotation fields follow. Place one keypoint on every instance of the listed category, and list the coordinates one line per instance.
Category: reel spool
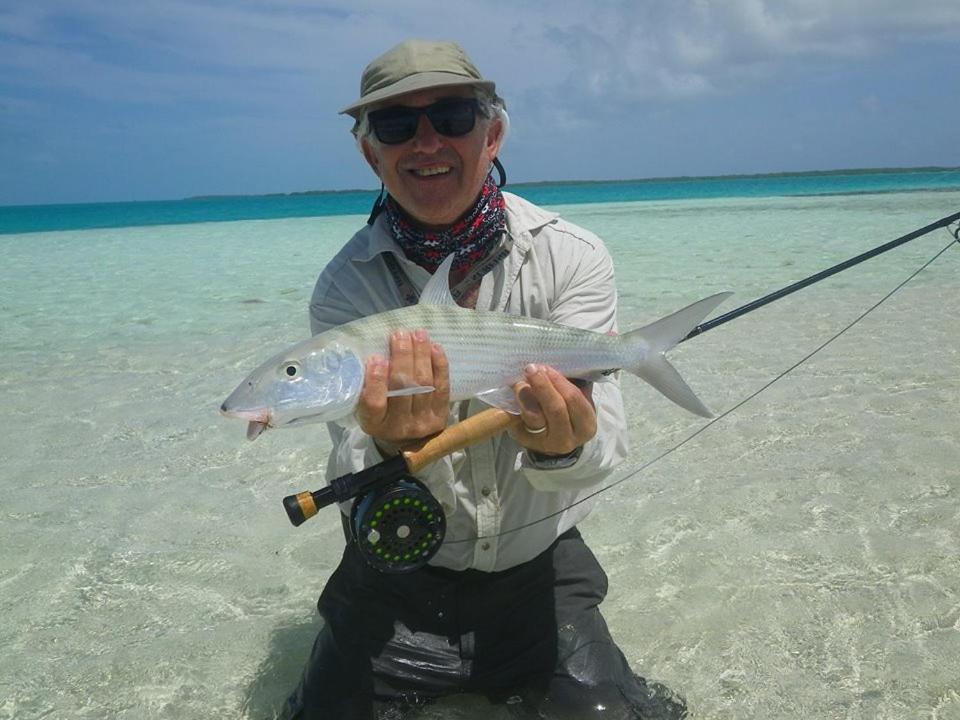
(399, 527)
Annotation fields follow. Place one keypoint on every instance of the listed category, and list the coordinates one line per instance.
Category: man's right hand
(393, 422)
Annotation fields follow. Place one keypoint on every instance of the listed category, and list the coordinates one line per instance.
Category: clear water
(800, 558)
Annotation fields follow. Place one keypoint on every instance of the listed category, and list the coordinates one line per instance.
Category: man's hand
(394, 421)
(562, 412)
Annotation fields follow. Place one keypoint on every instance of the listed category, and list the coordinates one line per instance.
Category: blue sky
(160, 99)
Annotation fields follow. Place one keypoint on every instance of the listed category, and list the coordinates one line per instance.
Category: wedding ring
(535, 432)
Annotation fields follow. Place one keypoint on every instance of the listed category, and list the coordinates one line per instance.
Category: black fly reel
(398, 526)
(396, 522)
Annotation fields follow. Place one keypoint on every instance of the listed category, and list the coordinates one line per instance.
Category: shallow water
(799, 558)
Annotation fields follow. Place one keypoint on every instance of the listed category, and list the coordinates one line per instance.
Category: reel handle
(303, 506)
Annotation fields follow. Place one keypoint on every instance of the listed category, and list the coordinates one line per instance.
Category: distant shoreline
(635, 181)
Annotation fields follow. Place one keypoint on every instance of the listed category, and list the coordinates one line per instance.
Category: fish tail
(651, 342)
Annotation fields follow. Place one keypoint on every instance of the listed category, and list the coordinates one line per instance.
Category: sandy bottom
(800, 558)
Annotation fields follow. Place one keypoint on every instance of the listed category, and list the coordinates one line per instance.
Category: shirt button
(485, 491)
(485, 546)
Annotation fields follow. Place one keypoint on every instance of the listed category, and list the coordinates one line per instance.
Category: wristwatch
(554, 462)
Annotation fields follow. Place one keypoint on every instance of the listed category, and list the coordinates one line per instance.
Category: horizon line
(659, 178)
(531, 183)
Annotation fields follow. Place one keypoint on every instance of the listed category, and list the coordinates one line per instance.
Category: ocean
(41, 218)
(799, 558)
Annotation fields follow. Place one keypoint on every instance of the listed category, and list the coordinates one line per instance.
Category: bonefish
(319, 380)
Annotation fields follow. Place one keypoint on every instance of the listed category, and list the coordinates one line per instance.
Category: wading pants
(531, 637)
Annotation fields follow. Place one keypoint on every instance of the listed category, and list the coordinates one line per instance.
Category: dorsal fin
(437, 289)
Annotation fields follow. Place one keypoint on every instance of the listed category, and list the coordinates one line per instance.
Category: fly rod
(823, 274)
(474, 429)
(486, 424)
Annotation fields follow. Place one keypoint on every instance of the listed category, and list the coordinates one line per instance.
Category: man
(508, 606)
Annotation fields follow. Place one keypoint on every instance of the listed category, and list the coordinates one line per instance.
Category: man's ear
(370, 156)
(494, 138)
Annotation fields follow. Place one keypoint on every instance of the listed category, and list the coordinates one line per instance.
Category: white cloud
(257, 72)
(617, 49)
(642, 50)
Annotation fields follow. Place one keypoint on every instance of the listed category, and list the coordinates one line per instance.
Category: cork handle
(474, 429)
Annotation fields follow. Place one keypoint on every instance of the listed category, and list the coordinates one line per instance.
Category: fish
(319, 379)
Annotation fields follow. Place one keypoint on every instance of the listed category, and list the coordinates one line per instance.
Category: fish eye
(290, 369)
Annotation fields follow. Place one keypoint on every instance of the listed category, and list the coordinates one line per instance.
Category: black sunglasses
(451, 117)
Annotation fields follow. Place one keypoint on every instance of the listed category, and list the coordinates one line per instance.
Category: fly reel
(396, 522)
(399, 526)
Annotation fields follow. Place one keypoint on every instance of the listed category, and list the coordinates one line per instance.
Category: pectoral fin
(408, 386)
(412, 390)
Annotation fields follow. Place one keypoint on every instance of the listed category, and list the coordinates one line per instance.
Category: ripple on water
(798, 559)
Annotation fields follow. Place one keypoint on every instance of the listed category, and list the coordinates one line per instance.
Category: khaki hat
(415, 65)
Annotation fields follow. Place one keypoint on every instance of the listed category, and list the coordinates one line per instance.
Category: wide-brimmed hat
(415, 65)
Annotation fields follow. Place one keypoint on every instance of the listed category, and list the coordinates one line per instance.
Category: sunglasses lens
(451, 118)
(394, 125)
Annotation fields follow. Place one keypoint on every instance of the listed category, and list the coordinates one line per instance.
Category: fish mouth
(257, 419)
(263, 418)
(256, 427)
(254, 415)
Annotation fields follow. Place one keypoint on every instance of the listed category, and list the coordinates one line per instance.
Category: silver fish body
(319, 379)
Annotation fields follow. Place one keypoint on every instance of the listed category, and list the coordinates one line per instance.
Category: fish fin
(666, 332)
(652, 341)
(437, 289)
(411, 390)
(664, 377)
(503, 398)
(406, 385)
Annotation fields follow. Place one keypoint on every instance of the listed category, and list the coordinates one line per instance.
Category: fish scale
(487, 350)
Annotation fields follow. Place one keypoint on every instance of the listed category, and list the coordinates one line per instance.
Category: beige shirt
(555, 271)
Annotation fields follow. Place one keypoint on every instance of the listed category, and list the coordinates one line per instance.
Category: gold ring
(535, 432)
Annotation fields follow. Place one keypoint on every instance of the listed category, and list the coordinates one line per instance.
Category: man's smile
(431, 171)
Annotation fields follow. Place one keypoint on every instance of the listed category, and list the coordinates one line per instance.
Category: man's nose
(426, 139)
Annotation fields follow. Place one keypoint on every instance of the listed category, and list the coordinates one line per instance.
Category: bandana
(471, 237)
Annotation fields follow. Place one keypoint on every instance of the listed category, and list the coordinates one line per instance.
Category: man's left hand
(558, 416)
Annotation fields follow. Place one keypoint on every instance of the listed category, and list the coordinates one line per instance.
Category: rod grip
(474, 429)
(303, 506)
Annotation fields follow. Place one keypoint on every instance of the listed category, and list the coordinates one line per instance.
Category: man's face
(433, 177)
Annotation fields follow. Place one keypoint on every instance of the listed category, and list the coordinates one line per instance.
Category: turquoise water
(800, 558)
(40, 218)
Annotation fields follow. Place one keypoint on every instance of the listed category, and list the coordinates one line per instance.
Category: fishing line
(669, 451)
(397, 523)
